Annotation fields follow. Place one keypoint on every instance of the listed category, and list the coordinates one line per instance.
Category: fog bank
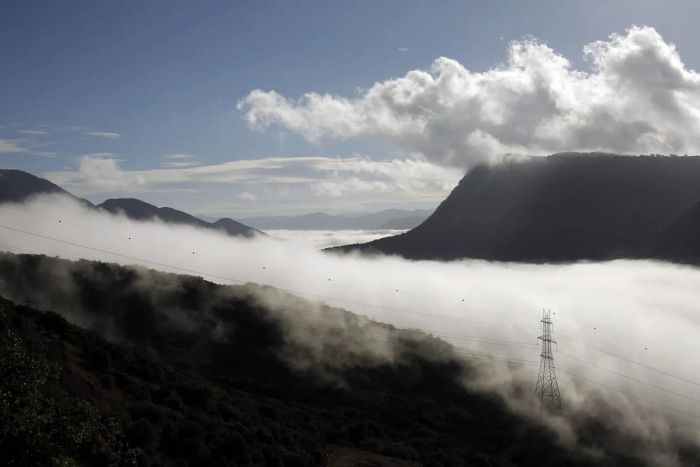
(629, 325)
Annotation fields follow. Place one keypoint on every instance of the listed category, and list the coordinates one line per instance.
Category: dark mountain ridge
(18, 186)
(564, 207)
(140, 210)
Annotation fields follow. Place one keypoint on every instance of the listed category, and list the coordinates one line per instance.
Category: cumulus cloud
(290, 184)
(100, 172)
(637, 97)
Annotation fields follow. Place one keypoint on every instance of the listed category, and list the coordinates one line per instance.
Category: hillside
(680, 239)
(564, 207)
(17, 186)
(203, 374)
(140, 210)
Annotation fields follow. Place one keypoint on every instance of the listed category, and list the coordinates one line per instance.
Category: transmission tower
(547, 388)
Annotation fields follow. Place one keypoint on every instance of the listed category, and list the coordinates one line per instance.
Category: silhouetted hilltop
(17, 186)
(564, 207)
(140, 210)
(235, 228)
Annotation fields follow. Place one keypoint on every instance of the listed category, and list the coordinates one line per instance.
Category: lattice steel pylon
(547, 388)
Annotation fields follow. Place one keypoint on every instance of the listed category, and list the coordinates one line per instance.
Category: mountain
(564, 207)
(386, 219)
(17, 186)
(197, 373)
(236, 228)
(680, 239)
(140, 210)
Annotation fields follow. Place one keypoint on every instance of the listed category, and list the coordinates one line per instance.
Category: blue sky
(134, 82)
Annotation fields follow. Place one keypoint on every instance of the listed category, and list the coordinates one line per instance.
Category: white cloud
(639, 97)
(99, 173)
(33, 132)
(10, 146)
(247, 196)
(276, 184)
(17, 146)
(180, 161)
(103, 134)
(179, 156)
(180, 164)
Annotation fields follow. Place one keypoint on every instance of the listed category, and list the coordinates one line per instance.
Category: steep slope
(17, 186)
(140, 210)
(203, 374)
(680, 239)
(563, 207)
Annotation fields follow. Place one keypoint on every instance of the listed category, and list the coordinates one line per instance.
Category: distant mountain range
(17, 186)
(140, 210)
(397, 219)
(564, 207)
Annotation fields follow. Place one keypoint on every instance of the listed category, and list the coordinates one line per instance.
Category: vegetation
(198, 374)
(42, 429)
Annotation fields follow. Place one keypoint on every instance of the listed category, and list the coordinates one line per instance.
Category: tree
(36, 429)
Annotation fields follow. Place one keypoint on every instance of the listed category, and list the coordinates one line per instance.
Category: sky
(276, 107)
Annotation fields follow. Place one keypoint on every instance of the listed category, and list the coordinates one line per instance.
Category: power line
(271, 305)
(363, 285)
(485, 340)
(631, 378)
(230, 279)
(643, 365)
(633, 396)
(239, 281)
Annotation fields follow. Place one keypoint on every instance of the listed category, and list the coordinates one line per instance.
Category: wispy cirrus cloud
(33, 132)
(103, 134)
(175, 161)
(266, 186)
(21, 146)
(640, 97)
(11, 146)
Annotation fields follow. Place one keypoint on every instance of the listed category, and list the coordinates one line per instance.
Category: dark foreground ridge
(564, 207)
(205, 375)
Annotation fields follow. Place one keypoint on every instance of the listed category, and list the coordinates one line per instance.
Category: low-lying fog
(320, 239)
(619, 323)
